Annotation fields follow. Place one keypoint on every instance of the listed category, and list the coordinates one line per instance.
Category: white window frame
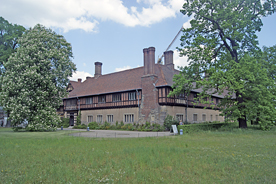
(88, 118)
(177, 116)
(132, 95)
(109, 118)
(99, 118)
(205, 117)
(195, 115)
(128, 118)
(117, 97)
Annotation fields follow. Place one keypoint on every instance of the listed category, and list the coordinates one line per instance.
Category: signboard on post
(175, 131)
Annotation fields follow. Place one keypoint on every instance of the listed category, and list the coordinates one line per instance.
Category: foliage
(78, 118)
(196, 127)
(82, 126)
(169, 121)
(224, 57)
(9, 34)
(93, 125)
(64, 123)
(35, 78)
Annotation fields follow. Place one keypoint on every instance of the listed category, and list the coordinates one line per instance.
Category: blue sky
(113, 32)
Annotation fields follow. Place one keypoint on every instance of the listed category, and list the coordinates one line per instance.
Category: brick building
(135, 95)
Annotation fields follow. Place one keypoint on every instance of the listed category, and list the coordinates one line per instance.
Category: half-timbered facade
(135, 95)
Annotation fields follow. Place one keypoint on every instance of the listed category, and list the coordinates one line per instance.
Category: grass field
(239, 156)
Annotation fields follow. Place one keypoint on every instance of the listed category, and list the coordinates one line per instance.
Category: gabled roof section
(120, 81)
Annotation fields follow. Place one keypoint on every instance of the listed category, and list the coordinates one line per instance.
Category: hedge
(201, 126)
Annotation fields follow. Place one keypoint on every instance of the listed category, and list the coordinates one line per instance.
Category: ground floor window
(99, 118)
(109, 118)
(194, 117)
(89, 119)
(203, 117)
(179, 117)
(211, 117)
(129, 118)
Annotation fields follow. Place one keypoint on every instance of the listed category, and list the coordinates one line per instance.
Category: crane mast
(159, 59)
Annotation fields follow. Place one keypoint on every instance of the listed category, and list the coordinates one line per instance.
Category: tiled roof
(125, 81)
(120, 81)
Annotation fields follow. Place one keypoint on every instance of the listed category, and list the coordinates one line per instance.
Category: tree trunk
(242, 119)
(242, 123)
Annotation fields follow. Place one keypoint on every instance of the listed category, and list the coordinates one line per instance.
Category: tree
(222, 45)
(9, 35)
(35, 78)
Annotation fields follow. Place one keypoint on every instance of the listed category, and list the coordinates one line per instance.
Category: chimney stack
(149, 60)
(79, 80)
(168, 55)
(98, 69)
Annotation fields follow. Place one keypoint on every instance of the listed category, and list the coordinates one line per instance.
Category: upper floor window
(116, 97)
(195, 97)
(181, 96)
(217, 101)
(132, 96)
(71, 102)
(89, 100)
(101, 99)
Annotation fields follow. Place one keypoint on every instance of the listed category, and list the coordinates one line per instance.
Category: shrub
(169, 121)
(93, 125)
(201, 127)
(82, 126)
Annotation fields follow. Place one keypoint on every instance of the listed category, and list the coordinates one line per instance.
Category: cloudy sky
(113, 32)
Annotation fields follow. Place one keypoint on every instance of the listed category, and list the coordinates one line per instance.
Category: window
(211, 117)
(101, 99)
(132, 96)
(181, 96)
(217, 101)
(195, 97)
(99, 118)
(179, 117)
(109, 118)
(89, 100)
(129, 118)
(203, 117)
(116, 97)
(89, 119)
(194, 117)
(71, 102)
(212, 100)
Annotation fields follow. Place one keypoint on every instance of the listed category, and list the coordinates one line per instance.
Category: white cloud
(87, 14)
(122, 68)
(80, 75)
(179, 61)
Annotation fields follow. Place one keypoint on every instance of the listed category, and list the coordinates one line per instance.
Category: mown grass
(239, 156)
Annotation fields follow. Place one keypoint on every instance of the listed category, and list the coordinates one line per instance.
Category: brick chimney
(98, 69)
(149, 60)
(168, 55)
(79, 80)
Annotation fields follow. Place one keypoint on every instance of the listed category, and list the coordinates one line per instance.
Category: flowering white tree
(35, 78)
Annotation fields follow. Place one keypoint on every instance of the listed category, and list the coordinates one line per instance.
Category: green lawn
(240, 156)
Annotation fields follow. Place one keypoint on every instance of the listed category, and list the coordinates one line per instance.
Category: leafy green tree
(223, 53)
(35, 78)
(9, 35)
